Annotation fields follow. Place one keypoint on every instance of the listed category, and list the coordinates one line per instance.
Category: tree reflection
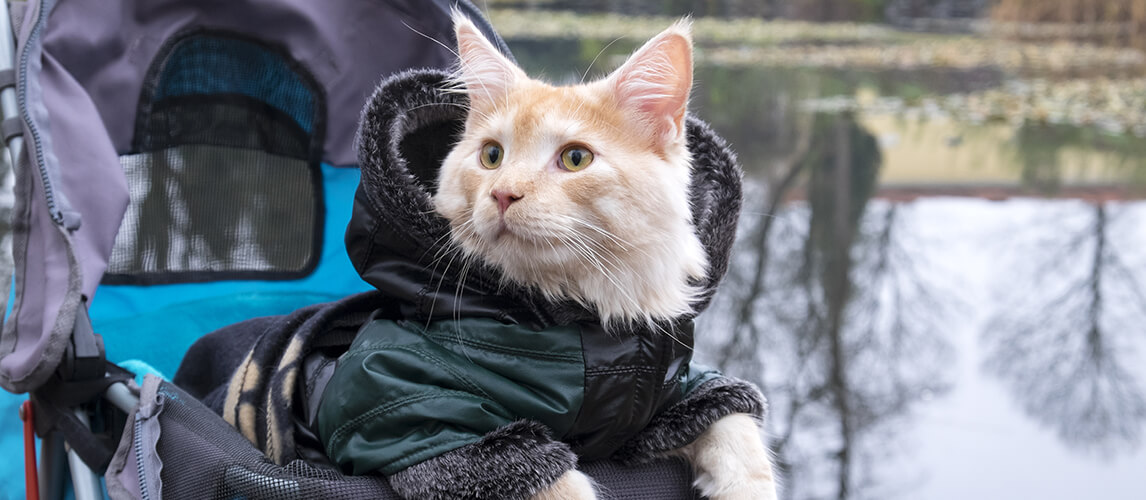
(828, 308)
(1062, 344)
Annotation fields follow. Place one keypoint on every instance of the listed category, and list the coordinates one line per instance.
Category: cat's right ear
(486, 74)
(654, 83)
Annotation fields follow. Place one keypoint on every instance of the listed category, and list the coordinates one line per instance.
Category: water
(939, 278)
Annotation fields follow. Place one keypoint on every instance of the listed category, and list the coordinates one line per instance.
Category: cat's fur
(615, 236)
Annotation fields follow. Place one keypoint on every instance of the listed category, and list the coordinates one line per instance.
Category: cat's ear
(486, 74)
(654, 83)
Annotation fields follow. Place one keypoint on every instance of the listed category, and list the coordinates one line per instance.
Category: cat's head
(581, 191)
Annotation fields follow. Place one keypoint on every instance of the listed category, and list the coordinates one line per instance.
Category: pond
(939, 280)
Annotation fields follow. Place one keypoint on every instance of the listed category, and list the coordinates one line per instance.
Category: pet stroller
(179, 167)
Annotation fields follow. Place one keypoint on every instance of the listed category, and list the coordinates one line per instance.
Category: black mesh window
(224, 177)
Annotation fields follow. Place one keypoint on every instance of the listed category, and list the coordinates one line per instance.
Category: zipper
(22, 101)
(137, 444)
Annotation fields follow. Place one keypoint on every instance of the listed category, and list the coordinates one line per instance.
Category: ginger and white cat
(582, 192)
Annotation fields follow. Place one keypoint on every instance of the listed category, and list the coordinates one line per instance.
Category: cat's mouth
(507, 232)
(502, 230)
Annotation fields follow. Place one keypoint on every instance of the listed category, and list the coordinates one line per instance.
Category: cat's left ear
(486, 73)
(654, 83)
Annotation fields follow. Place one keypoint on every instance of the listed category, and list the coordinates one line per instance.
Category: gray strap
(7, 78)
(11, 127)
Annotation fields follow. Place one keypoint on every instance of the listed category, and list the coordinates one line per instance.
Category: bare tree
(806, 313)
(1062, 344)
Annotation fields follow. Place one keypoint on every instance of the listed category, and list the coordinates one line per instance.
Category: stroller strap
(55, 405)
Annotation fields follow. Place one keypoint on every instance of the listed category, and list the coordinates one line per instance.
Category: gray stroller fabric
(198, 456)
(178, 448)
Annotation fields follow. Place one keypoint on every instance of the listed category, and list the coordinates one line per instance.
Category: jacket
(406, 391)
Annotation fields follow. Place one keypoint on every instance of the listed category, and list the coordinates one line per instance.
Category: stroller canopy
(206, 137)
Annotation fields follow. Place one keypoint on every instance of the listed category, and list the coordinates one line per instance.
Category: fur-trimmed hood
(395, 238)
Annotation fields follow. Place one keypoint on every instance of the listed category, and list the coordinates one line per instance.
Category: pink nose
(504, 199)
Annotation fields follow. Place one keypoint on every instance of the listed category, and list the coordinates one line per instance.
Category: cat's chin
(636, 287)
(519, 256)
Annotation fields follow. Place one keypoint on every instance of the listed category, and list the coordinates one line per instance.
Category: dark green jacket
(405, 392)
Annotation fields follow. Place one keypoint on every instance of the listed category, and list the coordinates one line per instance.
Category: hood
(394, 236)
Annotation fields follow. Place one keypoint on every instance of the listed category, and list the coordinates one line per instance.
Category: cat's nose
(504, 198)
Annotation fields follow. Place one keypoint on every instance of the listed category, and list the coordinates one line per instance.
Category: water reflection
(828, 307)
(1062, 339)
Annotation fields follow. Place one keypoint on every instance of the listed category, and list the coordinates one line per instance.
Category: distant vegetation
(1107, 21)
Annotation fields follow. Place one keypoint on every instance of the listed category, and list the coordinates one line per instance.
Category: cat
(581, 192)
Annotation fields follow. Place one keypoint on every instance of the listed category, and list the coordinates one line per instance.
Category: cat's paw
(731, 462)
(760, 488)
(573, 485)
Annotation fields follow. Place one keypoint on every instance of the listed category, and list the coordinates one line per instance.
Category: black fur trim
(683, 422)
(510, 463)
(715, 195)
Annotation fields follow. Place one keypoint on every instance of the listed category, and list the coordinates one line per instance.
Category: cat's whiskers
(467, 261)
(598, 247)
(598, 56)
(584, 75)
(432, 39)
(454, 251)
(624, 245)
(466, 108)
(565, 280)
(605, 267)
(584, 246)
(667, 332)
(447, 244)
(446, 241)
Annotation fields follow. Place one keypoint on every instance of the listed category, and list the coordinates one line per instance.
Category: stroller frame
(85, 482)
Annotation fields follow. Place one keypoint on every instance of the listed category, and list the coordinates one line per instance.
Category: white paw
(731, 461)
(573, 485)
(751, 489)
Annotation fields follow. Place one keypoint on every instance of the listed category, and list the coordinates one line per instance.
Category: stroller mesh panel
(238, 225)
(205, 458)
(222, 65)
(232, 120)
(224, 180)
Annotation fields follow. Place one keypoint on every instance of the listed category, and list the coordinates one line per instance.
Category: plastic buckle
(83, 357)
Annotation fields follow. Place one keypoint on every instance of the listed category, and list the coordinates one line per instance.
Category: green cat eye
(575, 158)
(491, 154)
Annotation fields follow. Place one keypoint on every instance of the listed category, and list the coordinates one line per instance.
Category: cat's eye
(575, 158)
(491, 154)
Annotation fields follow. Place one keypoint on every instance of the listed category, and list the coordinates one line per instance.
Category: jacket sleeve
(709, 396)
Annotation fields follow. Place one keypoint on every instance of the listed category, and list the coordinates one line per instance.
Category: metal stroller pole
(86, 484)
(8, 93)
